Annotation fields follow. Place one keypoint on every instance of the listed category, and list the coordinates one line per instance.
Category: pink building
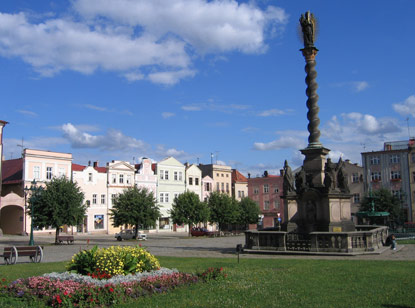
(266, 191)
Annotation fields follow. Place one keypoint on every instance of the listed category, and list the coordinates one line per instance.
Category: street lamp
(31, 189)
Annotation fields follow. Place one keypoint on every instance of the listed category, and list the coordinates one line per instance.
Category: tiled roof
(238, 177)
(12, 171)
(76, 167)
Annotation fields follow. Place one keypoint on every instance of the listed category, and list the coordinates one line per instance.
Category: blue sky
(120, 80)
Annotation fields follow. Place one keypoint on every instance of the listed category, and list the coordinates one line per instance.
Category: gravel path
(180, 245)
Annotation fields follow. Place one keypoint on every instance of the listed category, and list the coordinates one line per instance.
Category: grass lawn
(271, 283)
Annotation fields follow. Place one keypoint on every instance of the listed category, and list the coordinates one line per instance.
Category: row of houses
(166, 179)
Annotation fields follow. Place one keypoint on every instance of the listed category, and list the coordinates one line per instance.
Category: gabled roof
(76, 167)
(153, 167)
(12, 171)
(238, 177)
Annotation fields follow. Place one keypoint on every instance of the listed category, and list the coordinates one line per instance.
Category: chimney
(249, 175)
(89, 163)
(265, 174)
(95, 164)
(281, 172)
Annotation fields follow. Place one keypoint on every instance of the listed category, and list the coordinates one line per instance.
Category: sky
(203, 81)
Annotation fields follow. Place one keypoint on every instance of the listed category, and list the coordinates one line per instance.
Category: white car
(129, 234)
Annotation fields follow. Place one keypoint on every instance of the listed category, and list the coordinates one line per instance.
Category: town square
(207, 153)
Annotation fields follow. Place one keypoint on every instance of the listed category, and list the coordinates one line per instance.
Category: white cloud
(162, 152)
(407, 107)
(27, 113)
(113, 140)
(284, 142)
(142, 40)
(271, 112)
(360, 86)
(97, 108)
(353, 126)
(167, 115)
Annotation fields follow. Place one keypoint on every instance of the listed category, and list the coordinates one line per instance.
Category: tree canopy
(135, 206)
(223, 209)
(384, 201)
(248, 211)
(60, 202)
(188, 209)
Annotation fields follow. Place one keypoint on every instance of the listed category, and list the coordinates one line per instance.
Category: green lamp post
(32, 190)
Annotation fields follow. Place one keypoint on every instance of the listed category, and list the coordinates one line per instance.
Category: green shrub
(115, 260)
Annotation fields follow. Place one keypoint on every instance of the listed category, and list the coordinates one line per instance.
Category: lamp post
(31, 189)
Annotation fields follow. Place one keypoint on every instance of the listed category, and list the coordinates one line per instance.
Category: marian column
(315, 152)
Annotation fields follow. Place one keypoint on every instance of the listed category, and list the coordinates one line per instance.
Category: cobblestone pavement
(179, 245)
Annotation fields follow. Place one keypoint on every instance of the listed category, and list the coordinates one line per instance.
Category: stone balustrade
(364, 239)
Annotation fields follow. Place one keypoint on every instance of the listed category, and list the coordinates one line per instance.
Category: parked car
(129, 234)
(201, 232)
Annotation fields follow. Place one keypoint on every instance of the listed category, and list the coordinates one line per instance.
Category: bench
(12, 254)
(68, 238)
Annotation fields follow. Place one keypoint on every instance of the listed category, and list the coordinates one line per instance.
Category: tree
(188, 209)
(248, 211)
(384, 201)
(135, 206)
(60, 203)
(223, 209)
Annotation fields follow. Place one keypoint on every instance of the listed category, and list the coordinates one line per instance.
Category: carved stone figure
(300, 181)
(307, 23)
(288, 183)
(342, 182)
(330, 175)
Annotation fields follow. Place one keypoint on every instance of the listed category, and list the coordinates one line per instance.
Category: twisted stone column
(309, 54)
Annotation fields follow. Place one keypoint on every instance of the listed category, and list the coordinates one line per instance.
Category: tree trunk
(190, 228)
(136, 231)
(57, 235)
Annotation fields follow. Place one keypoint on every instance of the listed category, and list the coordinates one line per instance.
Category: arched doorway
(12, 219)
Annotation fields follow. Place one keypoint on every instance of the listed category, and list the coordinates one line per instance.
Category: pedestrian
(393, 238)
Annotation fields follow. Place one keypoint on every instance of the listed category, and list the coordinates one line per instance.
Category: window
(88, 203)
(121, 179)
(114, 178)
(180, 176)
(266, 205)
(256, 190)
(356, 198)
(374, 160)
(276, 190)
(207, 186)
(176, 195)
(99, 222)
(197, 181)
(49, 173)
(166, 174)
(128, 179)
(161, 174)
(217, 174)
(113, 198)
(217, 187)
(190, 181)
(394, 159)
(166, 197)
(222, 185)
(242, 194)
(62, 172)
(176, 177)
(397, 193)
(89, 177)
(102, 199)
(94, 199)
(222, 175)
(227, 187)
(227, 175)
(395, 175)
(36, 172)
(376, 176)
(266, 188)
(161, 198)
(239, 194)
(276, 204)
(355, 178)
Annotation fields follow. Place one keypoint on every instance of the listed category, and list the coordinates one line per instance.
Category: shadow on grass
(396, 306)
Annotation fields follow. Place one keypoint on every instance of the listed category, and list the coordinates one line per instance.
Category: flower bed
(99, 287)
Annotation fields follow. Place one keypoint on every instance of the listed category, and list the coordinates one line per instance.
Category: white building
(194, 180)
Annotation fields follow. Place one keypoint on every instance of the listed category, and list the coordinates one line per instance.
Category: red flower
(65, 293)
(58, 299)
(4, 279)
(111, 290)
